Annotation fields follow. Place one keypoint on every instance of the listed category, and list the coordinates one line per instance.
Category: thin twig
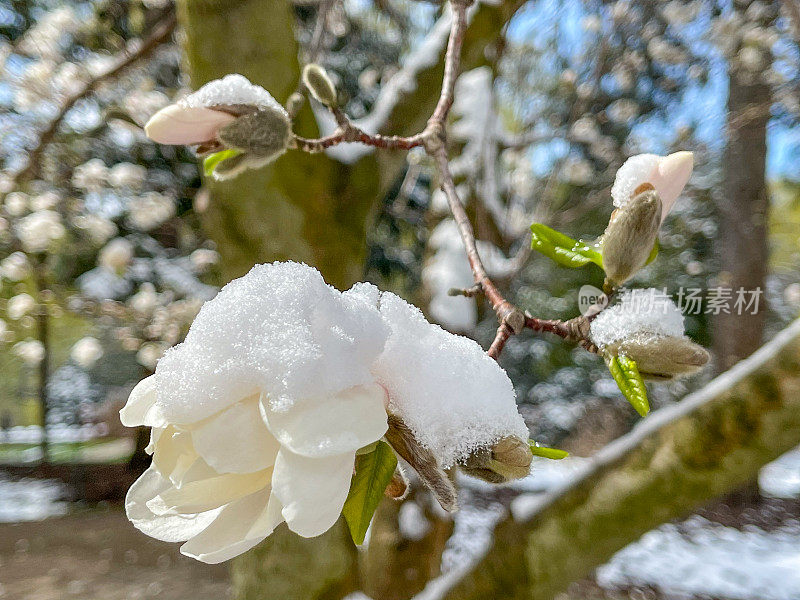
(133, 54)
(434, 139)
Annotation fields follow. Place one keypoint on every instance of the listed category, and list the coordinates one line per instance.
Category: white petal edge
(350, 420)
(236, 440)
(312, 490)
(168, 528)
(141, 408)
(207, 494)
(239, 527)
(178, 125)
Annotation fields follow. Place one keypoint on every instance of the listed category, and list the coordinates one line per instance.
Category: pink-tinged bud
(670, 177)
(179, 125)
(667, 174)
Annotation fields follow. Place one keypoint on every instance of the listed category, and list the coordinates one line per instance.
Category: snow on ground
(30, 500)
(710, 560)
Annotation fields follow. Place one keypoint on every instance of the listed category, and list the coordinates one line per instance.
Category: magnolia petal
(670, 176)
(169, 528)
(343, 423)
(173, 452)
(238, 527)
(236, 440)
(181, 125)
(312, 490)
(207, 494)
(141, 408)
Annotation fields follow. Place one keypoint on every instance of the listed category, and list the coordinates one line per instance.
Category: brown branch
(134, 53)
(434, 139)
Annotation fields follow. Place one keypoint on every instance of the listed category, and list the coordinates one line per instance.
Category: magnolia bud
(661, 357)
(631, 234)
(319, 84)
(508, 459)
(263, 135)
(401, 438)
(294, 103)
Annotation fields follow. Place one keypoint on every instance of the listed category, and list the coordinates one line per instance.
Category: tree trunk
(673, 462)
(742, 248)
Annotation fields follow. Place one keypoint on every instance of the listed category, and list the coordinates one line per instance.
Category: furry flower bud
(660, 357)
(319, 84)
(508, 459)
(631, 234)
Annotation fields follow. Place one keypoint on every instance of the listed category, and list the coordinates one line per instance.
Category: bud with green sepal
(506, 460)
(316, 79)
(237, 124)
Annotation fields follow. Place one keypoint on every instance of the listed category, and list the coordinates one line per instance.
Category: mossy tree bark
(676, 460)
(303, 207)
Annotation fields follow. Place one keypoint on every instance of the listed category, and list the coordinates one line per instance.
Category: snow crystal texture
(280, 330)
(231, 90)
(647, 311)
(445, 388)
(633, 173)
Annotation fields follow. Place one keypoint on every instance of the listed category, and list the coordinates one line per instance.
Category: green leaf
(630, 382)
(544, 451)
(653, 253)
(374, 471)
(562, 248)
(212, 160)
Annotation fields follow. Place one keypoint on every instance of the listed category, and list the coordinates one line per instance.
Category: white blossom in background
(202, 259)
(91, 176)
(45, 38)
(5, 332)
(38, 230)
(30, 351)
(127, 175)
(16, 204)
(20, 305)
(98, 229)
(86, 352)
(145, 300)
(14, 267)
(44, 201)
(258, 414)
(150, 210)
(149, 353)
(668, 174)
(116, 255)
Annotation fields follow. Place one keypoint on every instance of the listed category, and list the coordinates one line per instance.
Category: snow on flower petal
(232, 90)
(445, 388)
(258, 415)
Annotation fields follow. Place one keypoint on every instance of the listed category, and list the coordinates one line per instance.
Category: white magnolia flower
(257, 416)
(14, 267)
(44, 201)
(16, 204)
(99, 229)
(127, 175)
(145, 300)
(86, 352)
(116, 255)
(667, 174)
(203, 258)
(149, 353)
(39, 229)
(150, 210)
(20, 305)
(91, 175)
(30, 351)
